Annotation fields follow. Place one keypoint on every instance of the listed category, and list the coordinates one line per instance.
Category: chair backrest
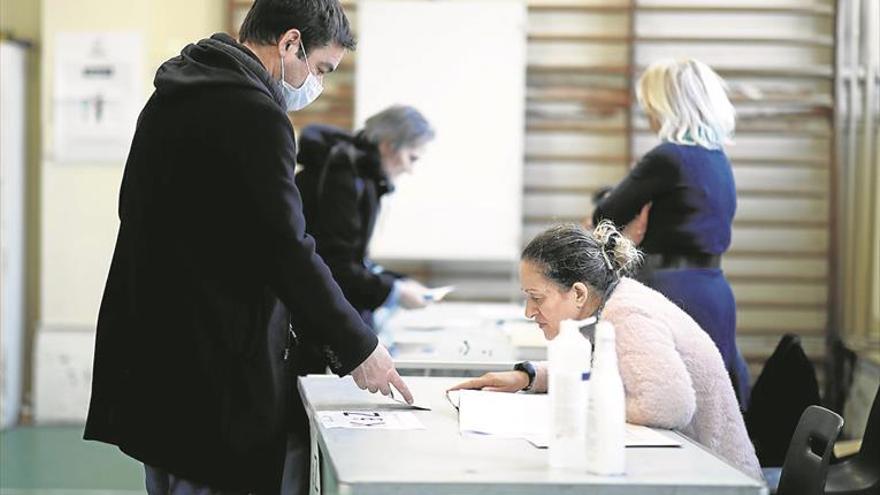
(809, 453)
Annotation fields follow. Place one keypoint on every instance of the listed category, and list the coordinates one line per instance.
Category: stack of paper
(528, 416)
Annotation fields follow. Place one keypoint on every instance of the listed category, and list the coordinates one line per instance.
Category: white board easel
(462, 64)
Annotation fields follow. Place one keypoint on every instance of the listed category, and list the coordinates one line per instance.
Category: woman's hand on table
(497, 381)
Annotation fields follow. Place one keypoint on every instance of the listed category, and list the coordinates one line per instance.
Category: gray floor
(56, 460)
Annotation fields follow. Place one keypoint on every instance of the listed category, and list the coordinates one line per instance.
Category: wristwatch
(529, 369)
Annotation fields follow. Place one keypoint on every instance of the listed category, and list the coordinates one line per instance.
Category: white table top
(438, 460)
(466, 334)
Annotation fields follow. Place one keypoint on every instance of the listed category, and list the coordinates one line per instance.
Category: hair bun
(611, 243)
(620, 253)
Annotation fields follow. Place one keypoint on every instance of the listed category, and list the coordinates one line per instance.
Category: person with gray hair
(343, 179)
(673, 375)
(398, 127)
(679, 200)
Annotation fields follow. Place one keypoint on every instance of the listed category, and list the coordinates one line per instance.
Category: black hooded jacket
(212, 263)
(342, 183)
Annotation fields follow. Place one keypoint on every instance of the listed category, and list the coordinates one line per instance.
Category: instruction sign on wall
(97, 94)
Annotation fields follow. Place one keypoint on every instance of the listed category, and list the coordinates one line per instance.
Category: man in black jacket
(213, 274)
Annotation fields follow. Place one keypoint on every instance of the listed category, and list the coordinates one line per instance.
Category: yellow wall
(79, 220)
(21, 18)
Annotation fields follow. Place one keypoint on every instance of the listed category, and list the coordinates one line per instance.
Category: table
(438, 460)
(463, 339)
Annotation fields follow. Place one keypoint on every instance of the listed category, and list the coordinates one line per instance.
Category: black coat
(211, 264)
(342, 183)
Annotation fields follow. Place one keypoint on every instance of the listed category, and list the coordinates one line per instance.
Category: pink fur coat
(673, 374)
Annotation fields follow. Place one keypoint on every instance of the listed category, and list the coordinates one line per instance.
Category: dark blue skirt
(705, 295)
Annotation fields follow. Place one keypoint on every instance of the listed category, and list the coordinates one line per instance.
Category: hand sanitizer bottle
(568, 388)
(606, 428)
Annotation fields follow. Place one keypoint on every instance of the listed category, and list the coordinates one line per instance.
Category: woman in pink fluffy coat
(672, 372)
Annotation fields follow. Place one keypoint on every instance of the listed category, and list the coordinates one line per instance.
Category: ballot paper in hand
(438, 293)
(370, 420)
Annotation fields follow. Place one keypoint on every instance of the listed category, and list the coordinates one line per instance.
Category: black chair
(860, 474)
(809, 453)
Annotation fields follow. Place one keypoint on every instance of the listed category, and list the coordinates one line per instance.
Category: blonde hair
(689, 100)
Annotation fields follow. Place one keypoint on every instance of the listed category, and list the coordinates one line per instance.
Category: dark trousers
(295, 479)
(161, 482)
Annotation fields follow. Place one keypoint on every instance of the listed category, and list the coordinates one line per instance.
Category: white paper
(637, 436)
(417, 404)
(454, 397)
(370, 420)
(642, 436)
(503, 414)
(528, 416)
(438, 293)
(97, 94)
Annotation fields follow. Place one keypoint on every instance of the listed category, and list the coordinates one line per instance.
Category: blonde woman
(685, 192)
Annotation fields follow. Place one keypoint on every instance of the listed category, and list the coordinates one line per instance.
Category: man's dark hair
(320, 22)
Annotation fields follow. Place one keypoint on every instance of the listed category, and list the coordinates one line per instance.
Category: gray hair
(569, 254)
(400, 125)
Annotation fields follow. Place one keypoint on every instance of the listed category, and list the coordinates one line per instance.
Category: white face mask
(299, 98)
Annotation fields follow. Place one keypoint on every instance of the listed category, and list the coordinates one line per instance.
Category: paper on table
(637, 436)
(642, 436)
(418, 405)
(453, 397)
(370, 420)
(502, 414)
(528, 416)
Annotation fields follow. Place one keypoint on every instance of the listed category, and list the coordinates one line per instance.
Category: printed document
(370, 420)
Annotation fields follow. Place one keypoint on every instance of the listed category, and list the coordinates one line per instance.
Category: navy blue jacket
(694, 198)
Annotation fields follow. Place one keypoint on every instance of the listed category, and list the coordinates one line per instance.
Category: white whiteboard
(462, 64)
